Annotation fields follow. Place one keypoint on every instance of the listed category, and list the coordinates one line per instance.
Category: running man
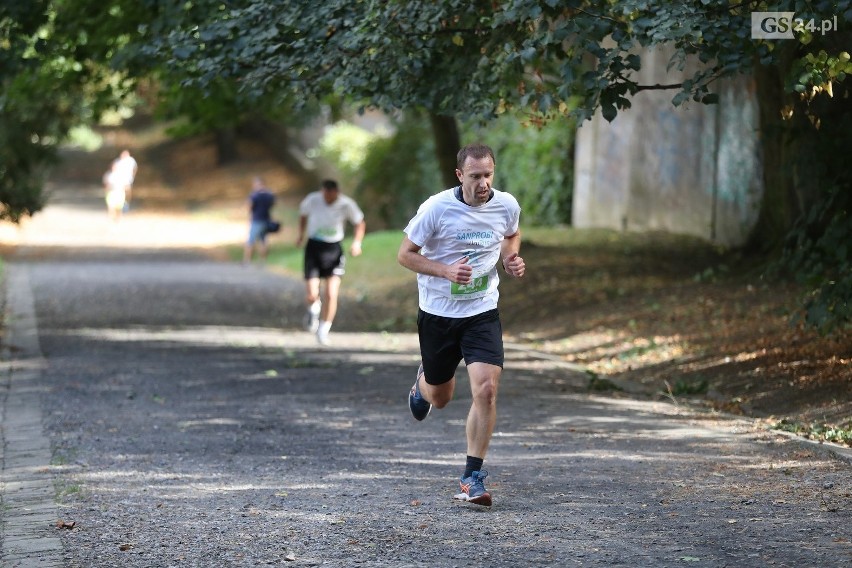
(454, 243)
(323, 215)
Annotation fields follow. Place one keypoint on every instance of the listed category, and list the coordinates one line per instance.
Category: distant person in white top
(455, 243)
(114, 192)
(322, 218)
(125, 168)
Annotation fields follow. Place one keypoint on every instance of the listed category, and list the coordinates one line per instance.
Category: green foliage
(600, 384)
(84, 137)
(460, 58)
(23, 162)
(53, 75)
(399, 172)
(27, 102)
(541, 58)
(817, 72)
(712, 273)
(196, 112)
(687, 388)
(345, 145)
(818, 253)
(535, 164)
(374, 272)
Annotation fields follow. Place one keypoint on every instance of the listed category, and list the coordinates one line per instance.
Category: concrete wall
(693, 169)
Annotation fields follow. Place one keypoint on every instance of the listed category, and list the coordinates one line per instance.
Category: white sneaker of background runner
(312, 319)
(322, 332)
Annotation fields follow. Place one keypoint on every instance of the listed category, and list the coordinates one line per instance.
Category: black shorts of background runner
(445, 341)
(324, 259)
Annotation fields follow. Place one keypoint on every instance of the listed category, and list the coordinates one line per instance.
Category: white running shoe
(311, 320)
(322, 338)
(322, 332)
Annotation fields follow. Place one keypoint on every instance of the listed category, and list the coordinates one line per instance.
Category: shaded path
(185, 431)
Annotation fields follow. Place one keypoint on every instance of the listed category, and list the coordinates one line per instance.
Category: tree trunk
(275, 137)
(447, 146)
(226, 145)
(778, 207)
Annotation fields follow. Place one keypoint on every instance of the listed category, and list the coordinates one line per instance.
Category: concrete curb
(29, 512)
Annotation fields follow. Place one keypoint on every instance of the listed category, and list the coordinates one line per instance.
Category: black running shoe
(419, 407)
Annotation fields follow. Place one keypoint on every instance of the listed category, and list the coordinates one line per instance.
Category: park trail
(161, 407)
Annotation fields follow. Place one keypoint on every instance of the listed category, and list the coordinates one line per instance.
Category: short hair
(476, 151)
(329, 184)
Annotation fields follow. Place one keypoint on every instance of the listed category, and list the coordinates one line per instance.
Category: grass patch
(686, 388)
(375, 270)
(600, 384)
(69, 490)
(816, 431)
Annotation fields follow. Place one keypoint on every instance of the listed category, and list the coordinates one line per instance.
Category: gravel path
(189, 422)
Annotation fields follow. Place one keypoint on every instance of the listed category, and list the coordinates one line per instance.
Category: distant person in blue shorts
(261, 200)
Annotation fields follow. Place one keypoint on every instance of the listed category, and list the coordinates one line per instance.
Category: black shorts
(445, 341)
(324, 259)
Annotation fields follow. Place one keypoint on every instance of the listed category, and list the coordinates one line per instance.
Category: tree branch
(598, 16)
(658, 87)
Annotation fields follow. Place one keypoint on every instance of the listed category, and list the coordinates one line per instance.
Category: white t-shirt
(447, 230)
(125, 169)
(326, 222)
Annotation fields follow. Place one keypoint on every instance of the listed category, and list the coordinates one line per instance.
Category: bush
(535, 164)
(393, 175)
(345, 146)
(819, 252)
(398, 173)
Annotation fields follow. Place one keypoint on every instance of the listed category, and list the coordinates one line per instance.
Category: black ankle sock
(473, 464)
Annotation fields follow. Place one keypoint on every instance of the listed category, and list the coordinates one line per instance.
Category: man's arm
(303, 224)
(409, 256)
(360, 229)
(512, 262)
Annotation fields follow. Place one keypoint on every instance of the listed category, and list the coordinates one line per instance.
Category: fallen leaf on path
(60, 524)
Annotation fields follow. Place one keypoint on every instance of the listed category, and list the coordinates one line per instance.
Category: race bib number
(476, 289)
(324, 233)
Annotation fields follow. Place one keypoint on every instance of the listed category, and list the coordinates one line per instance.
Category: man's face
(330, 195)
(476, 177)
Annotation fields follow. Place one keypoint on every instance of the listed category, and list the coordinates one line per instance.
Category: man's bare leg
(484, 380)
